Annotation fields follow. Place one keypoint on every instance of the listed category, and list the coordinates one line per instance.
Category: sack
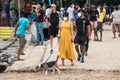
(34, 31)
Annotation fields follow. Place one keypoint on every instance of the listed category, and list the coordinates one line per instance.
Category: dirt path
(102, 63)
(65, 75)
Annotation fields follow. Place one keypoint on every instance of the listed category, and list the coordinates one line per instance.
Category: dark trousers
(87, 45)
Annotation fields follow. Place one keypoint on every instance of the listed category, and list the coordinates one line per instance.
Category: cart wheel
(2, 68)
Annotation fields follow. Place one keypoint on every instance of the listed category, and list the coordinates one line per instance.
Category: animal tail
(57, 58)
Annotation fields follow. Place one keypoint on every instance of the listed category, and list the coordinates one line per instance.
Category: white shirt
(48, 10)
(116, 16)
(70, 11)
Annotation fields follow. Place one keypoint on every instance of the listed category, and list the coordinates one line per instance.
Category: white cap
(53, 5)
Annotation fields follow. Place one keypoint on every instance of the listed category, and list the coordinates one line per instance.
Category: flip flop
(20, 60)
(72, 64)
(114, 37)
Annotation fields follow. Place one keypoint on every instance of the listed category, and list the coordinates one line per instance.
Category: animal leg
(53, 71)
(46, 72)
(58, 70)
(56, 67)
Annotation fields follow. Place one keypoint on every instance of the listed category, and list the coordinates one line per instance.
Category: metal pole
(86, 1)
(19, 7)
(89, 2)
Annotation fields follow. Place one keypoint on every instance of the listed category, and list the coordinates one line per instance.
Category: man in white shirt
(70, 11)
(115, 16)
(48, 10)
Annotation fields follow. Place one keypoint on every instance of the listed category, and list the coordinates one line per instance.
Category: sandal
(20, 60)
(22, 53)
(114, 37)
(72, 64)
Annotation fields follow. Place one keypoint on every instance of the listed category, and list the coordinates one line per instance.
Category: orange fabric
(65, 45)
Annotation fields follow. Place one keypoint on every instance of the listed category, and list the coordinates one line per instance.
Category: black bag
(2, 68)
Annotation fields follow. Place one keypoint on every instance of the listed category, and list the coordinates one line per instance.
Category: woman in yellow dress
(65, 45)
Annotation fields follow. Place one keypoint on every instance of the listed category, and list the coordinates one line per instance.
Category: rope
(9, 45)
(53, 51)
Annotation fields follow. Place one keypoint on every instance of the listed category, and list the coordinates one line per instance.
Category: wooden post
(19, 7)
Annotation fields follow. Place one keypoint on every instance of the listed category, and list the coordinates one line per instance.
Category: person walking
(70, 10)
(40, 24)
(33, 14)
(53, 21)
(83, 27)
(93, 20)
(76, 10)
(47, 11)
(115, 17)
(87, 11)
(100, 22)
(66, 38)
(33, 26)
(20, 29)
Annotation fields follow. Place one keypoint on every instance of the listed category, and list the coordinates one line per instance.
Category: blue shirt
(33, 16)
(75, 12)
(22, 24)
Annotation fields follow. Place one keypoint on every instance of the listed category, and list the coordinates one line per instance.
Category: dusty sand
(102, 63)
(65, 75)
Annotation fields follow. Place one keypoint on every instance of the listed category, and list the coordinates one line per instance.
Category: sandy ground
(102, 63)
(101, 55)
(65, 75)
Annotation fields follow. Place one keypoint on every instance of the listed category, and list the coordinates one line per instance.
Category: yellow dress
(65, 45)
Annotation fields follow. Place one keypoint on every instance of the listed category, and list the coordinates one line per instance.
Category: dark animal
(48, 65)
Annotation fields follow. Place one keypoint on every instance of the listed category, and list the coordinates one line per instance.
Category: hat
(53, 5)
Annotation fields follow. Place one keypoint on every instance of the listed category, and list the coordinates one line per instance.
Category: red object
(41, 17)
(3, 22)
(28, 5)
